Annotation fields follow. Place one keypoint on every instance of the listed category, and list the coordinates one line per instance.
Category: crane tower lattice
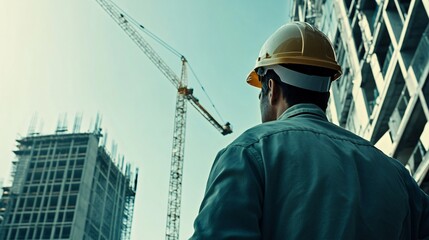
(183, 93)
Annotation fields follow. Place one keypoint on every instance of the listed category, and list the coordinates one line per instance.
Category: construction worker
(298, 176)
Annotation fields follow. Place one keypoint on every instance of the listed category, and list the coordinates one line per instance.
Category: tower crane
(183, 94)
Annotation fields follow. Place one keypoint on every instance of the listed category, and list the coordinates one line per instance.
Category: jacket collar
(302, 108)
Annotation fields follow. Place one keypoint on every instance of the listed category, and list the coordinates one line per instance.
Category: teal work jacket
(302, 177)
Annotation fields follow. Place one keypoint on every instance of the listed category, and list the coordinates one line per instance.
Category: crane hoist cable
(184, 95)
(204, 90)
(169, 48)
(145, 30)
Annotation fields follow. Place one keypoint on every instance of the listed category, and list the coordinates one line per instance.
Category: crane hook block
(227, 129)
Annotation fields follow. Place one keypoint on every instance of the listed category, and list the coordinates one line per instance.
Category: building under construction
(383, 95)
(67, 186)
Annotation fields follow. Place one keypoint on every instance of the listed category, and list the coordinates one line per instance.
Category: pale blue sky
(70, 56)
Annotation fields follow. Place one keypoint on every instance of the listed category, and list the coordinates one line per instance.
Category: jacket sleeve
(232, 205)
(419, 205)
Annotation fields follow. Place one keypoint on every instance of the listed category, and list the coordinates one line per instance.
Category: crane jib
(184, 93)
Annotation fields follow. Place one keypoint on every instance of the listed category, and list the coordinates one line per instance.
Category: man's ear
(274, 92)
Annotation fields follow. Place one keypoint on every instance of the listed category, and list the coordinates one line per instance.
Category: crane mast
(183, 93)
(177, 157)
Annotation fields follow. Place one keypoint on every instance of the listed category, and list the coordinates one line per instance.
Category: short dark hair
(294, 95)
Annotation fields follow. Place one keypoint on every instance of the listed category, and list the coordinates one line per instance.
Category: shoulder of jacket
(264, 130)
(256, 133)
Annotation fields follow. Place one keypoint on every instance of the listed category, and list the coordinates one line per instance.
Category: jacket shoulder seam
(255, 140)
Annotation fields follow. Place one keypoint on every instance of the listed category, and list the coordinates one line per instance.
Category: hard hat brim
(278, 59)
(253, 79)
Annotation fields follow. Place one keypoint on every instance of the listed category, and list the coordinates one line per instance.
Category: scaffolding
(306, 10)
(130, 194)
(40, 159)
